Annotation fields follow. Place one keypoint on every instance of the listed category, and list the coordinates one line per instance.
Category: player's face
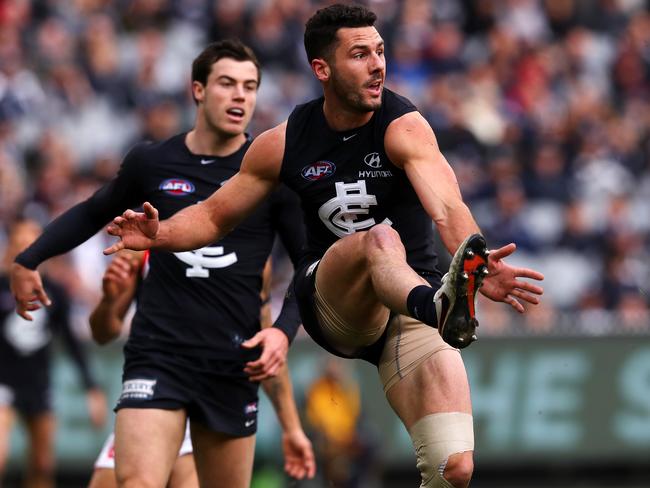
(228, 99)
(358, 68)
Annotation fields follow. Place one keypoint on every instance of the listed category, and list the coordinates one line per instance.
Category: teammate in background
(371, 179)
(25, 349)
(119, 285)
(195, 346)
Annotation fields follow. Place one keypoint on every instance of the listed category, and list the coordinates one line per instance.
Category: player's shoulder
(394, 106)
(146, 152)
(271, 140)
(395, 101)
(159, 148)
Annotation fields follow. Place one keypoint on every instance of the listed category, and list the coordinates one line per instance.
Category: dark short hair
(321, 28)
(227, 48)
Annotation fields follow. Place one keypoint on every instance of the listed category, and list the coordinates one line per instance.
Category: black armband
(289, 319)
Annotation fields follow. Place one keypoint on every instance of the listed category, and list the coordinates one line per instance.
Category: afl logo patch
(176, 187)
(318, 171)
(373, 160)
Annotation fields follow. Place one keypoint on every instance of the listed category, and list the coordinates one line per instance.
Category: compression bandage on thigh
(436, 437)
(345, 337)
(409, 343)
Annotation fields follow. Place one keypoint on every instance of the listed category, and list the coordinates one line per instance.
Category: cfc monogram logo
(340, 213)
(203, 259)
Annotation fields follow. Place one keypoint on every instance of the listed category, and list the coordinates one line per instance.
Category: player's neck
(341, 118)
(210, 143)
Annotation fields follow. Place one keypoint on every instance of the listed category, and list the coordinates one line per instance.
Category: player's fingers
(118, 246)
(129, 214)
(42, 297)
(23, 313)
(295, 470)
(529, 273)
(529, 287)
(310, 464)
(502, 252)
(514, 303)
(253, 341)
(150, 211)
(527, 297)
(32, 306)
(119, 220)
(114, 230)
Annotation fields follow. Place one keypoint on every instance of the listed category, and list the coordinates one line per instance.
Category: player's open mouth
(374, 88)
(236, 114)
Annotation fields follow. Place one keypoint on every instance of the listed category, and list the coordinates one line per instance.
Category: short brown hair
(320, 30)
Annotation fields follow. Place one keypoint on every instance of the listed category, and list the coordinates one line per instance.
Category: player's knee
(382, 237)
(444, 443)
(135, 480)
(459, 469)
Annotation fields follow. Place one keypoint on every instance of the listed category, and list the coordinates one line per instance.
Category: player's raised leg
(222, 460)
(365, 275)
(147, 441)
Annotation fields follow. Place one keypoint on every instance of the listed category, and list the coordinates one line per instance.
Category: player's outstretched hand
(27, 289)
(502, 284)
(136, 230)
(299, 460)
(275, 345)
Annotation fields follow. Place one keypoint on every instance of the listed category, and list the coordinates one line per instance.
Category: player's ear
(198, 91)
(321, 69)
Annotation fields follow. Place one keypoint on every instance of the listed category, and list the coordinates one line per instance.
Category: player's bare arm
(203, 223)
(119, 284)
(411, 144)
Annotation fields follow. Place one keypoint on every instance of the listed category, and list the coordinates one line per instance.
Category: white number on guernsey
(203, 259)
(340, 213)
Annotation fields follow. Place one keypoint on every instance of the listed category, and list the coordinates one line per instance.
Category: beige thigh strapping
(409, 343)
(344, 337)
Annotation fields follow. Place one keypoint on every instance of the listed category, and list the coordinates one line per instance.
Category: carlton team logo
(177, 187)
(318, 171)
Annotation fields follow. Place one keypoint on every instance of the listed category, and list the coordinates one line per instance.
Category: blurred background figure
(25, 350)
(334, 414)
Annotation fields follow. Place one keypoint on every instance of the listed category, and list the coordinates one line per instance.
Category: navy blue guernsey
(205, 302)
(347, 183)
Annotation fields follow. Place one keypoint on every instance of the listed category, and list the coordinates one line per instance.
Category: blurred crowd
(542, 107)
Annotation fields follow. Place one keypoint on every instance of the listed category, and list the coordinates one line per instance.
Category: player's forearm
(105, 322)
(455, 224)
(189, 229)
(280, 392)
(63, 234)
